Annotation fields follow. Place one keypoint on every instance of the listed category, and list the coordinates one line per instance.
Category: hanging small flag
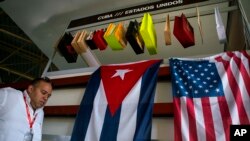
(199, 24)
(115, 36)
(81, 41)
(183, 31)
(65, 48)
(167, 32)
(134, 37)
(99, 40)
(220, 26)
(74, 43)
(148, 33)
(90, 42)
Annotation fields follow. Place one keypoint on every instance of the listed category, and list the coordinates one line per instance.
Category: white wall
(163, 128)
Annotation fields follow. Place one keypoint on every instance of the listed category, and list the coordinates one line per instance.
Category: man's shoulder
(9, 95)
(10, 90)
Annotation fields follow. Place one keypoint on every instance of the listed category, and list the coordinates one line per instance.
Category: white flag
(220, 26)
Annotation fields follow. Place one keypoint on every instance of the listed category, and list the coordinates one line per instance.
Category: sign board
(130, 11)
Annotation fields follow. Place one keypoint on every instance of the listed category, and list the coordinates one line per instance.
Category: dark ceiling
(20, 58)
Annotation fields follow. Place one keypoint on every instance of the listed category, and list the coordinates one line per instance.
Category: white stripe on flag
(238, 76)
(244, 60)
(97, 115)
(226, 57)
(228, 94)
(128, 117)
(217, 120)
(199, 119)
(184, 119)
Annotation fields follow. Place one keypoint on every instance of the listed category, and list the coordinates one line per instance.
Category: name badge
(28, 136)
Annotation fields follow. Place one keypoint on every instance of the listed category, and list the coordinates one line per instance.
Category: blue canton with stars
(195, 79)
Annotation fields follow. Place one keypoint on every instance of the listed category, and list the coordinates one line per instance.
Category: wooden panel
(160, 109)
(61, 110)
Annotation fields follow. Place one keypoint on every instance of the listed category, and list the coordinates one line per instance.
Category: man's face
(39, 94)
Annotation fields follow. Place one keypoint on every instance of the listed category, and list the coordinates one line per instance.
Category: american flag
(210, 94)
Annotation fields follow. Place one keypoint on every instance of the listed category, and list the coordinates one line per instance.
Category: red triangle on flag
(118, 80)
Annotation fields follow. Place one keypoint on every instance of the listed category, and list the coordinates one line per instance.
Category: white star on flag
(121, 73)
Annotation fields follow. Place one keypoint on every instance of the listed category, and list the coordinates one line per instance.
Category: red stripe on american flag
(208, 119)
(242, 69)
(225, 116)
(192, 120)
(177, 119)
(247, 56)
(235, 90)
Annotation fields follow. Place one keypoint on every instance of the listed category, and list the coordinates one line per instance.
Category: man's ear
(30, 89)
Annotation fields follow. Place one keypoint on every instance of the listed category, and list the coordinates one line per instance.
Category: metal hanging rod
(202, 13)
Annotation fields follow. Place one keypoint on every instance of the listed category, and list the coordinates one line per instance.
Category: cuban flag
(117, 104)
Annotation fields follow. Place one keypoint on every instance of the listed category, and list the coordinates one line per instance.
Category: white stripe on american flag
(208, 119)
(184, 119)
(228, 94)
(97, 115)
(177, 119)
(225, 57)
(128, 117)
(238, 75)
(245, 61)
(243, 64)
(217, 120)
(236, 87)
(200, 119)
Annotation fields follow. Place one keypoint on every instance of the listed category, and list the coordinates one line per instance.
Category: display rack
(90, 58)
(93, 22)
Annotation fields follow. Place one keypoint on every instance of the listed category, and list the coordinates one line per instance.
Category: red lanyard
(31, 122)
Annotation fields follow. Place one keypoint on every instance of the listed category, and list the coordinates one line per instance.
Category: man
(21, 113)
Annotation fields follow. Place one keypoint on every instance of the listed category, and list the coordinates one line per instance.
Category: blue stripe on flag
(146, 102)
(110, 126)
(86, 107)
